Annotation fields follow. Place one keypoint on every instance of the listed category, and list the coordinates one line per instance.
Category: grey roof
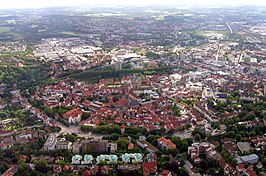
(134, 103)
(244, 146)
(51, 140)
(247, 158)
(250, 157)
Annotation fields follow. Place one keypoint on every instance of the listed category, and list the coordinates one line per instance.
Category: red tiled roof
(82, 122)
(167, 142)
(251, 172)
(66, 168)
(97, 122)
(241, 166)
(165, 172)
(73, 113)
(149, 167)
(121, 102)
(130, 146)
(86, 173)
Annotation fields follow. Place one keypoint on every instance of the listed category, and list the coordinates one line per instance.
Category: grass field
(69, 33)
(214, 34)
(4, 29)
(11, 21)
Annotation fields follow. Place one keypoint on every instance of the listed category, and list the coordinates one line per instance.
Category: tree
(71, 137)
(31, 90)
(22, 167)
(176, 110)
(233, 161)
(249, 117)
(152, 55)
(61, 163)
(172, 151)
(238, 138)
(259, 130)
(123, 146)
(122, 143)
(197, 137)
(49, 111)
(115, 98)
(230, 134)
(3, 115)
(41, 166)
(198, 131)
(85, 116)
(114, 137)
(183, 172)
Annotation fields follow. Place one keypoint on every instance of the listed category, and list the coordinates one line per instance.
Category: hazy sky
(50, 3)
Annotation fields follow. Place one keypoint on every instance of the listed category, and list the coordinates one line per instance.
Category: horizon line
(134, 6)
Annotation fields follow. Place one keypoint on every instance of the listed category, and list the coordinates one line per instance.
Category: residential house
(146, 145)
(165, 144)
(149, 168)
(73, 116)
(63, 144)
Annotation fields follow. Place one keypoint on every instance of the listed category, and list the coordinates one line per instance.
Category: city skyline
(49, 3)
(123, 87)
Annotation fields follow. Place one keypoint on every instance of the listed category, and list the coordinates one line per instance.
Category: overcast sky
(52, 3)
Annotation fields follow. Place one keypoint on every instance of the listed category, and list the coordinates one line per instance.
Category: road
(76, 129)
(231, 30)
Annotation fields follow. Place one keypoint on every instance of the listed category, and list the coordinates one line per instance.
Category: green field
(69, 33)
(4, 29)
(11, 21)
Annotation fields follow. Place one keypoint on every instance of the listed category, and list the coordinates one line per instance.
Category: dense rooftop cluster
(161, 92)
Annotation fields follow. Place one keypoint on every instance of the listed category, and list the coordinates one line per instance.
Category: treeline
(96, 75)
(107, 129)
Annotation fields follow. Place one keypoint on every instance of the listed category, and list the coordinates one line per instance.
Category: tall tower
(137, 81)
(182, 56)
(118, 66)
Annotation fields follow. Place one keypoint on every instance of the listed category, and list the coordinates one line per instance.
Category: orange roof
(165, 172)
(251, 172)
(167, 142)
(130, 146)
(121, 102)
(73, 112)
(82, 122)
(86, 173)
(23, 157)
(66, 168)
(97, 122)
(149, 167)
(105, 168)
(241, 166)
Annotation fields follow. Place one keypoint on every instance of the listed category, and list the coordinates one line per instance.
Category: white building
(63, 144)
(50, 143)
(175, 77)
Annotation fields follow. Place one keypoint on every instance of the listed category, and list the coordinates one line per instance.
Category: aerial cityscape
(133, 88)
